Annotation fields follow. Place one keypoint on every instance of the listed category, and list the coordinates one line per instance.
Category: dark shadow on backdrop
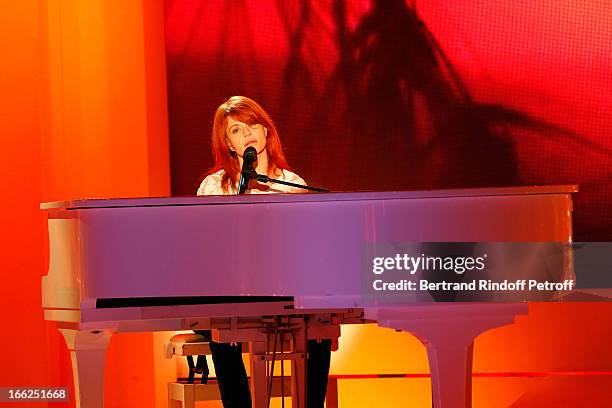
(393, 115)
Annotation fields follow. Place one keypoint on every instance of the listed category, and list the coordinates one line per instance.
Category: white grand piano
(231, 263)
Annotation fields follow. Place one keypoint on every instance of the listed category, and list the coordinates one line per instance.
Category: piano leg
(450, 362)
(450, 340)
(88, 355)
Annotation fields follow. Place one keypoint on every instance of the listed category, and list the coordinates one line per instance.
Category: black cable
(282, 378)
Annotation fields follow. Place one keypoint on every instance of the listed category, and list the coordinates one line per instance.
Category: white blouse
(211, 185)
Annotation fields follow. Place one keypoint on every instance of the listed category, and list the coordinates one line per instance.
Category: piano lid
(310, 197)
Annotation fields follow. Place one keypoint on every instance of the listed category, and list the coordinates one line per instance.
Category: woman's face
(240, 136)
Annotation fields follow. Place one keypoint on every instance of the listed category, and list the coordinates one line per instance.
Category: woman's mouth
(250, 142)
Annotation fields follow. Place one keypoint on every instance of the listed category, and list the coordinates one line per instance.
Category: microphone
(248, 158)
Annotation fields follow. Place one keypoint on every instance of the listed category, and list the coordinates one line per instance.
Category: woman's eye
(235, 131)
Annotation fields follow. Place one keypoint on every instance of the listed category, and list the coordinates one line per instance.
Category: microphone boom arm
(265, 179)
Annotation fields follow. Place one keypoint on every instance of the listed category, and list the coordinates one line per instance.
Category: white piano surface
(308, 246)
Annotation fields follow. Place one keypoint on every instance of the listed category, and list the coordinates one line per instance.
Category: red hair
(245, 110)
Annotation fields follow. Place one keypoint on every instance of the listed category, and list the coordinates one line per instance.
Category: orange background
(84, 115)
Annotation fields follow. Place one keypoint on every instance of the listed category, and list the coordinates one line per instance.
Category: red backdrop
(393, 95)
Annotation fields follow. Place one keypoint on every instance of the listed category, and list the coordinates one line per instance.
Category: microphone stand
(265, 179)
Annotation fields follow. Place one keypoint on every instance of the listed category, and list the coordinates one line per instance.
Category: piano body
(231, 263)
